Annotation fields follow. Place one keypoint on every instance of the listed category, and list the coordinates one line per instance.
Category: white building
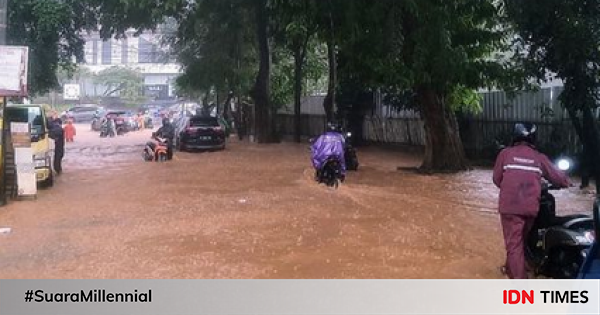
(144, 52)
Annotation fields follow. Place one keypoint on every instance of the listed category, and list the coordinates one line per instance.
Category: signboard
(20, 135)
(13, 70)
(25, 167)
(26, 175)
(71, 92)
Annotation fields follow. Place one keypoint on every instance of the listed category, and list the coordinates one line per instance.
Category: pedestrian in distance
(70, 131)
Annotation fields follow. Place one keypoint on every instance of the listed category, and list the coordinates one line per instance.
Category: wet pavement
(253, 211)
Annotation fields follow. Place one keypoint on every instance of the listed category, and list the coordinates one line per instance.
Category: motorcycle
(105, 131)
(557, 245)
(350, 153)
(331, 172)
(591, 265)
(156, 150)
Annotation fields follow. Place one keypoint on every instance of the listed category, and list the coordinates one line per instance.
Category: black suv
(202, 133)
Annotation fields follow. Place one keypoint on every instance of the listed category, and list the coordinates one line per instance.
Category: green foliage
(122, 81)
(282, 79)
(560, 37)
(216, 47)
(444, 45)
(52, 31)
(465, 100)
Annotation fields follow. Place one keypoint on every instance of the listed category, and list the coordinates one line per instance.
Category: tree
(122, 81)
(298, 18)
(52, 31)
(561, 38)
(215, 48)
(264, 118)
(436, 49)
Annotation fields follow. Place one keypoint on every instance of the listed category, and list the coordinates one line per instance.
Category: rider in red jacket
(518, 173)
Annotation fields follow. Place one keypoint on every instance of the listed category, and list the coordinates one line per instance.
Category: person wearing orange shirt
(70, 131)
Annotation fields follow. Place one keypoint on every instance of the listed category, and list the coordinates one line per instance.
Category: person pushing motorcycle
(518, 172)
(330, 144)
(166, 131)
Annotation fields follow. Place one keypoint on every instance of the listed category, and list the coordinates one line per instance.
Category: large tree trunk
(592, 141)
(298, 63)
(329, 102)
(227, 108)
(263, 120)
(444, 150)
(587, 131)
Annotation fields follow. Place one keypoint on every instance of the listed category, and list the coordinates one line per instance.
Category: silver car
(81, 113)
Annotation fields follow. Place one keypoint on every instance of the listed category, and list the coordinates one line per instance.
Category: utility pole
(3, 27)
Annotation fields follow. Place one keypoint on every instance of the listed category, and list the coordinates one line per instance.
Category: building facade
(144, 52)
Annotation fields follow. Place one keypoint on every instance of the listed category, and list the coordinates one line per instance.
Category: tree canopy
(52, 31)
(431, 55)
(562, 39)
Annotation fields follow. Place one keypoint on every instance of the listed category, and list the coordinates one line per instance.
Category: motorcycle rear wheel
(565, 263)
(162, 157)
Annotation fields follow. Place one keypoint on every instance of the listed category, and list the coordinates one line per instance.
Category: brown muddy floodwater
(253, 212)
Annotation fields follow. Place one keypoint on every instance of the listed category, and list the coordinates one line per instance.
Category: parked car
(81, 113)
(200, 133)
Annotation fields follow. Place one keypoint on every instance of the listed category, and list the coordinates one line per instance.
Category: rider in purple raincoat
(327, 145)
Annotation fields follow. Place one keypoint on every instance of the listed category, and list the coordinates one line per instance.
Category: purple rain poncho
(327, 145)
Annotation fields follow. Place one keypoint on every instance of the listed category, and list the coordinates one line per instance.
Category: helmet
(332, 127)
(525, 132)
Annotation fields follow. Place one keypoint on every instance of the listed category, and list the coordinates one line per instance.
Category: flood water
(253, 211)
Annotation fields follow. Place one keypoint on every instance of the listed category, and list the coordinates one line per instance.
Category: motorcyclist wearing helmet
(167, 131)
(331, 143)
(518, 173)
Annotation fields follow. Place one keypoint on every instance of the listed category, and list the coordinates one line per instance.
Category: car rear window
(204, 122)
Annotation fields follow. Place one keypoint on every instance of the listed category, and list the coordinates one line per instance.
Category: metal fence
(311, 125)
(538, 106)
(394, 130)
(481, 132)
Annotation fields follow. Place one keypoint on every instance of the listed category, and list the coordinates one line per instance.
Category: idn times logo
(548, 297)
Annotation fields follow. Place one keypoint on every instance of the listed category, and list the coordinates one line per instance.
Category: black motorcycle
(105, 131)
(350, 156)
(331, 173)
(557, 245)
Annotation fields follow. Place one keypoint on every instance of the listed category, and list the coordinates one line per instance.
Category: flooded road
(253, 212)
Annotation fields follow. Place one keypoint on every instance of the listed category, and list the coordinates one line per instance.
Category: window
(124, 52)
(145, 51)
(204, 122)
(95, 52)
(106, 52)
(31, 115)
